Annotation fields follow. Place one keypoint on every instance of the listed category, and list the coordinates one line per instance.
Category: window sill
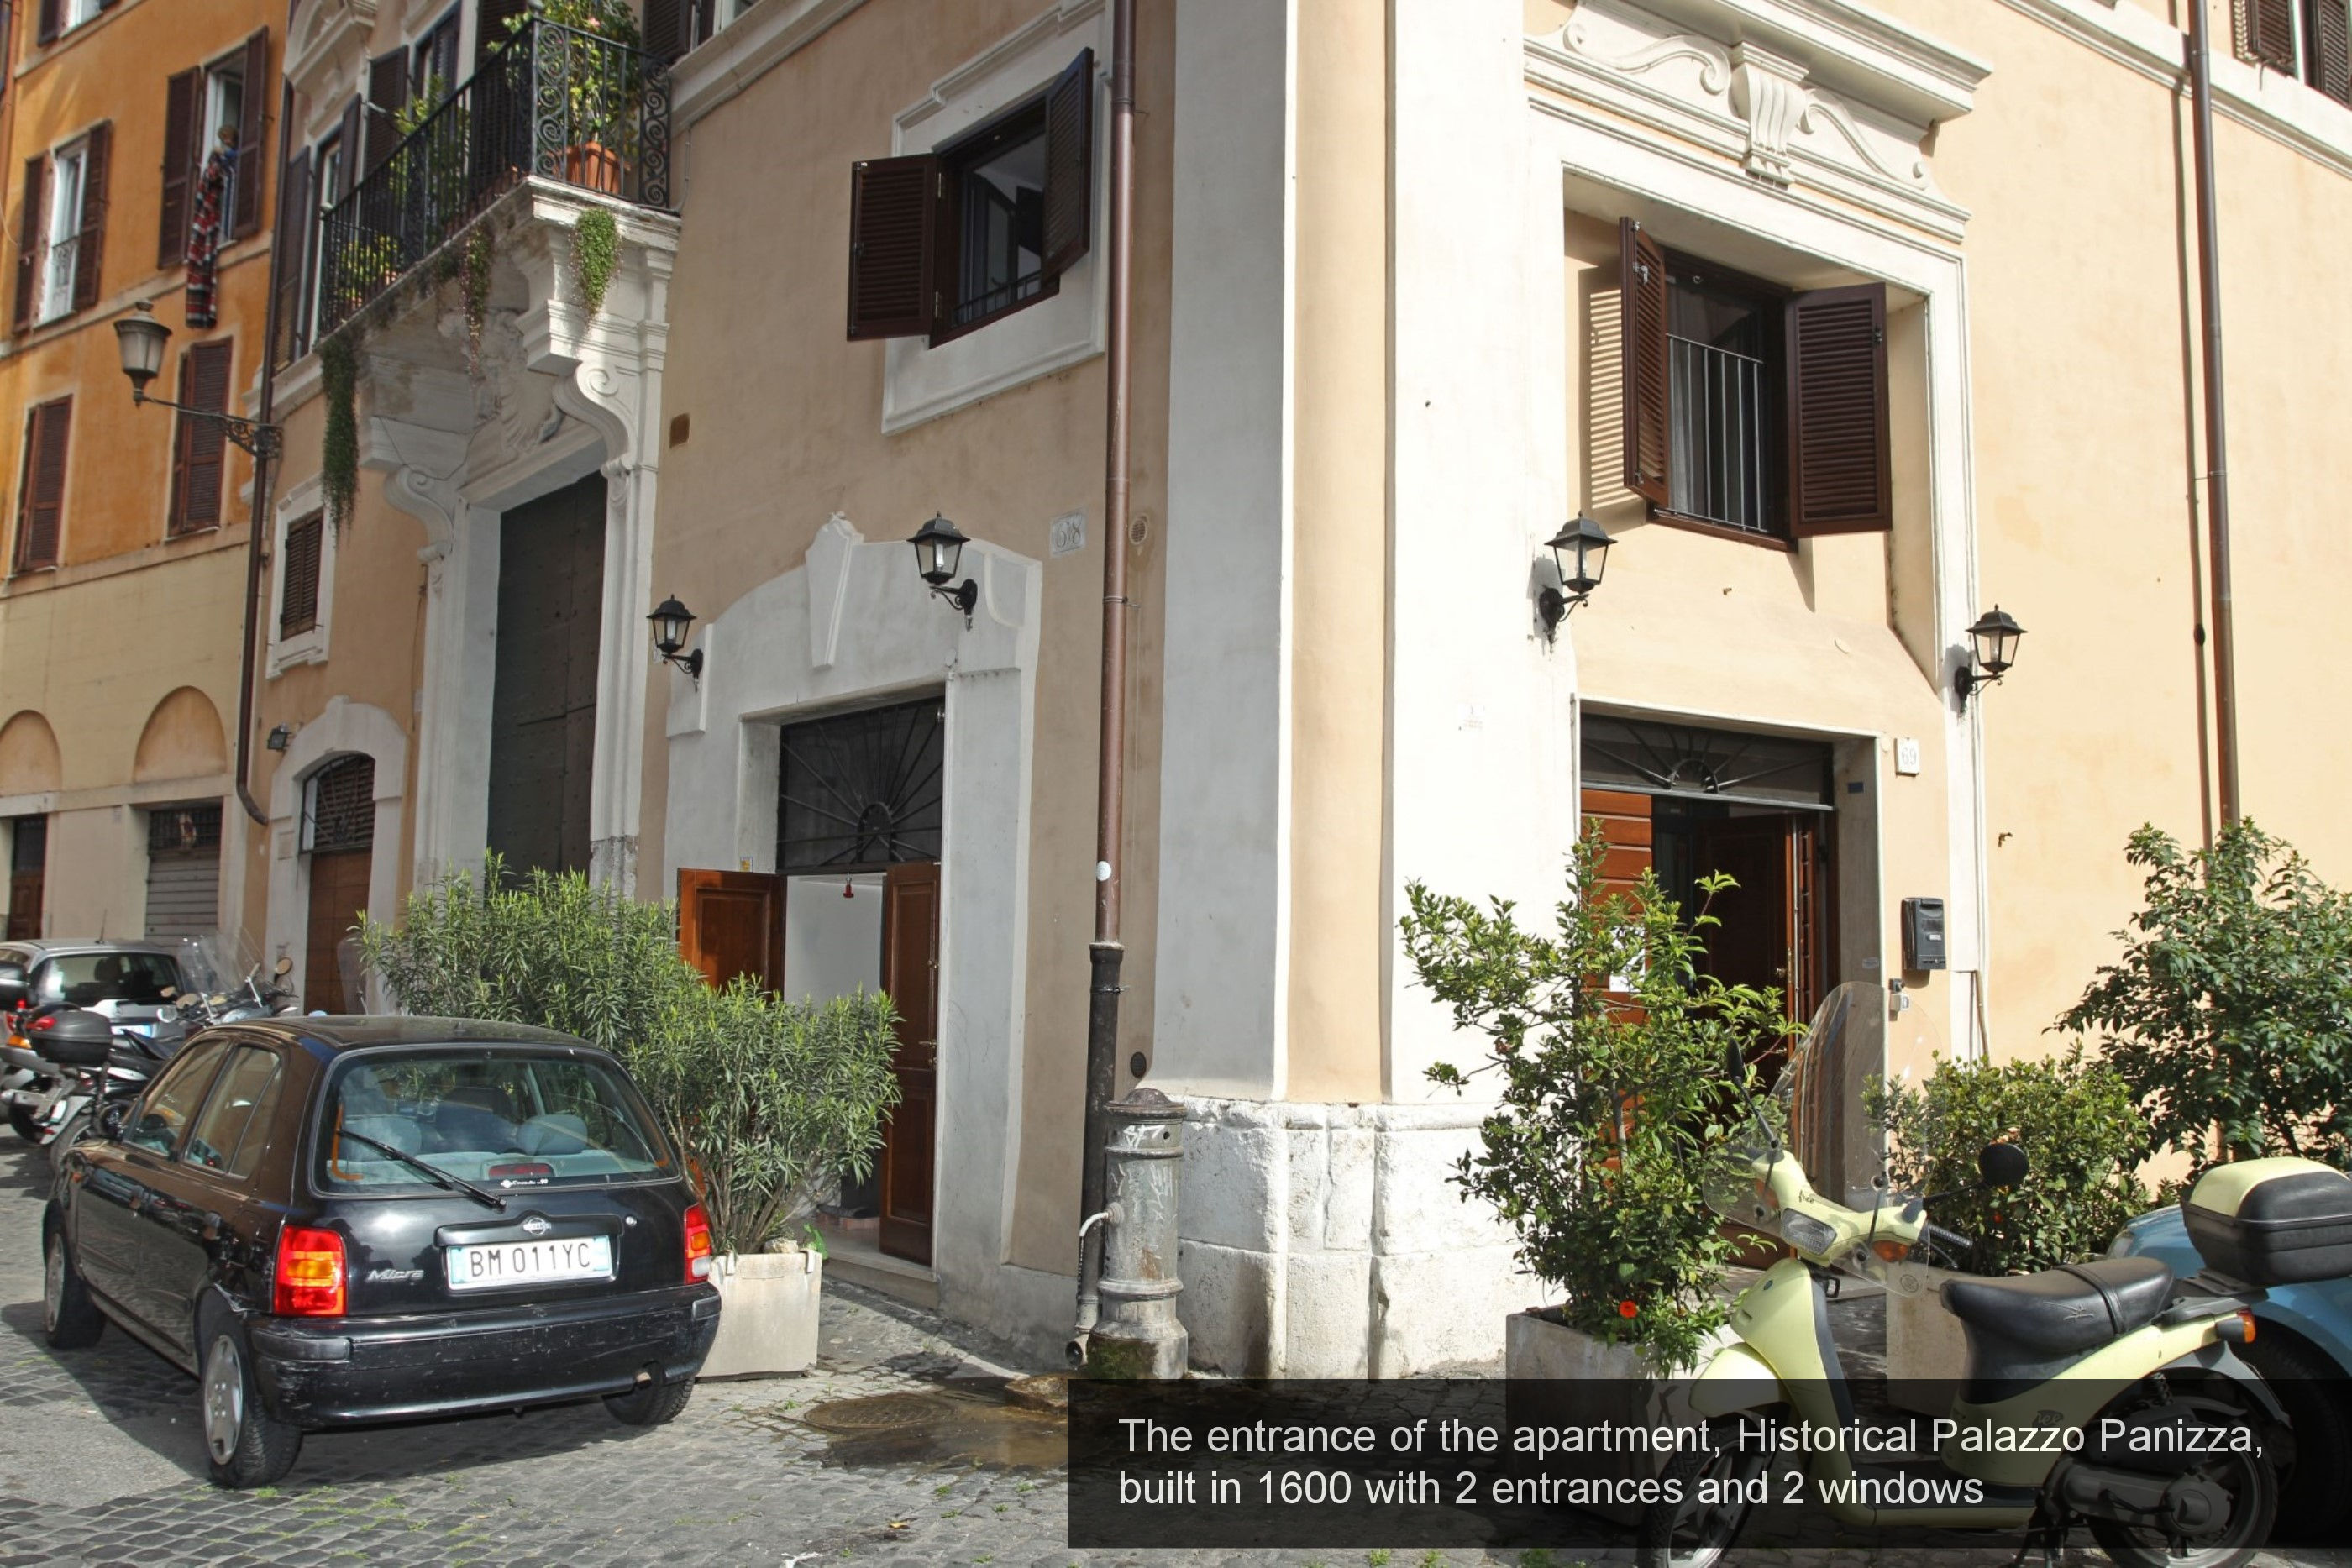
(1721, 530)
(302, 648)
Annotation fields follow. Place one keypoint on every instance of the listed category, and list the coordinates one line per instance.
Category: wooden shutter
(491, 24)
(298, 577)
(290, 252)
(252, 151)
(52, 21)
(183, 102)
(1642, 303)
(1070, 165)
(28, 240)
(1623, 819)
(41, 499)
(348, 138)
(2266, 33)
(387, 94)
(200, 446)
(666, 30)
(1840, 475)
(731, 922)
(2331, 49)
(89, 250)
(894, 207)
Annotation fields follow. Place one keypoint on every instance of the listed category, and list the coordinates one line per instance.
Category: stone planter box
(1560, 1376)
(1927, 1351)
(767, 1314)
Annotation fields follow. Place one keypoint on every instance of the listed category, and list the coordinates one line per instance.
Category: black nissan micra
(335, 1221)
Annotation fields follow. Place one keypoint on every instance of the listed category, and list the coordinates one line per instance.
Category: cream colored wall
(785, 430)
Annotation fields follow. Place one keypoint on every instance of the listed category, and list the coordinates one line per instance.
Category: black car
(335, 1221)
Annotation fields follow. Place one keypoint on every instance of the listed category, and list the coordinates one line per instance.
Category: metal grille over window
(1722, 467)
(862, 790)
(182, 828)
(1651, 758)
(339, 810)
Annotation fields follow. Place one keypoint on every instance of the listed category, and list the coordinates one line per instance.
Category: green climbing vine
(338, 449)
(474, 283)
(597, 248)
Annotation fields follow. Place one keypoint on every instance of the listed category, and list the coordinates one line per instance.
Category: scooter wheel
(2254, 1490)
(27, 1125)
(1689, 1533)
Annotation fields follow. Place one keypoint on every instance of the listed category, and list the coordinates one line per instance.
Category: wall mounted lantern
(672, 621)
(939, 551)
(1995, 635)
(1581, 552)
(280, 737)
(142, 341)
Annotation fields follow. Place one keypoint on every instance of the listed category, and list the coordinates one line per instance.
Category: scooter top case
(2272, 1222)
(70, 1037)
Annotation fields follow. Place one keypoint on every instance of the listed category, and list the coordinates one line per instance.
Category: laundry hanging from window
(204, 234)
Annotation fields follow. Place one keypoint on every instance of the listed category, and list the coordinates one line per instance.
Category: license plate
(486, 1267)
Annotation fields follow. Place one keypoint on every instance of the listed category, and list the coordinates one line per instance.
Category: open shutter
(252, 151)
(52, 21)
(1642, 302)
(894, 207)
(491, 28)
(290, 252)
(387, 94)
(201, 446)
(2266, 33)
(347, 172)
(298, 578)
(89, 250)
(181, 103)
(28, 239)
(1070, 165)
(666, 30)
(41, 504)
(731, 922)
(1841, 479)
(2331, 49)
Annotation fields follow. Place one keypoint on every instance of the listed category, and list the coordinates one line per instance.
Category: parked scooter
(97, 1062)
(2104, 1393)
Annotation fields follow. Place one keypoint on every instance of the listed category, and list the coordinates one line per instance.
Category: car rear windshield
(83, 979)
(499, 1119)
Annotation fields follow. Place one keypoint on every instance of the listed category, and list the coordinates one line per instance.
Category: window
(200, 446)
(498, 1116)
(205, 107)
(434, 69)
(57, 16)
(61, 228)
(298, 577)
(86, 979)
(41, 492)
(2308, 39)
(339, 805)
(28, 859)
(233, 1126)
(63, 236)
(945, 242)
(162, 1114)
(1750, 408)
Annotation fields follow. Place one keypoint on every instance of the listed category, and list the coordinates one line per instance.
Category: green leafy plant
(2229, 1013)
(2073, 1116)
(477, 255)
(1610, 1047)
(768, 1102)
(602, 88)
(597, 250)
(339, 445)
(608, 18)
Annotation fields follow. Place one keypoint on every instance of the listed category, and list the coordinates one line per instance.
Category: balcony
(552, 103)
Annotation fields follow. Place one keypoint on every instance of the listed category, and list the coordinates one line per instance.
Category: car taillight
(309, 1273)
(698, 1243)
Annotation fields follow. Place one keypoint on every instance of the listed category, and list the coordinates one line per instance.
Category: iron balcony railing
(1721, 465)
(551, 101)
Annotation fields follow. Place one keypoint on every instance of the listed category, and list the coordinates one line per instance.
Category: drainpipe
(2217, 444)
(264, 478)
(1106, 952)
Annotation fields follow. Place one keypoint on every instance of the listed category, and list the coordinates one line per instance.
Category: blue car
(2302, 1348)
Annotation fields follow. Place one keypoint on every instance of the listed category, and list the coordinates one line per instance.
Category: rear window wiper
(431, 1172)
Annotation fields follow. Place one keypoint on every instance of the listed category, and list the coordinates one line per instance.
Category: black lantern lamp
(939, 551)
(141, 339)
(1995, 636)
(671, 622)
(1581, 552)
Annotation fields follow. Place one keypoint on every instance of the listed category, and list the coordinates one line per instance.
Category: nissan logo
(535, 1226)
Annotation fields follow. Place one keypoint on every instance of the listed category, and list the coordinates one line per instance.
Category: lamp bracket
(1555, 606)
(690, 663)
(250, 436)
(964, 596)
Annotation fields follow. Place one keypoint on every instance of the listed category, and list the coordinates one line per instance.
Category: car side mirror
(111, 1117)
(2003, 1165)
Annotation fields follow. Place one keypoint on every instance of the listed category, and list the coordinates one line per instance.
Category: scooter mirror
(285, 967)
(2003, 1165)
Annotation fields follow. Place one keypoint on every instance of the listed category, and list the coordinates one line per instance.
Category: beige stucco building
(1901, 294)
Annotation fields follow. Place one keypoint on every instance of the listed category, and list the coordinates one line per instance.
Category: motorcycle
(2105, 1394)
(97, 1062)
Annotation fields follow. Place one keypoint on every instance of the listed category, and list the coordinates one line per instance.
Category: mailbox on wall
(1923, 934)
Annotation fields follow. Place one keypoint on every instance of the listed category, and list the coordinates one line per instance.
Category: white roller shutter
(183, 871)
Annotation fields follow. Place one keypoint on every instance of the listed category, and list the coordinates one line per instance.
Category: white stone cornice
(320, 34)
(748, 49)
(1857, 51)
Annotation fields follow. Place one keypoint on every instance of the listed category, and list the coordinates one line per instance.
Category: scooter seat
(2063, 1310)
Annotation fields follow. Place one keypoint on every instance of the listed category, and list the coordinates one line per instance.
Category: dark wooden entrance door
(910, 974)
(731, 922)
(1773, 930)
(543, 698)
(339, 893)
(28, 857)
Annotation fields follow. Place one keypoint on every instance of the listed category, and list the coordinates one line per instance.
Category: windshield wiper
(431, 1172)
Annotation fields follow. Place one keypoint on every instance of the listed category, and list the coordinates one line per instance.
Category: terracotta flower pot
(593, 166)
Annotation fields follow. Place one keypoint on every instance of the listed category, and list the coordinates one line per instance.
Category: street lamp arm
(250, 435)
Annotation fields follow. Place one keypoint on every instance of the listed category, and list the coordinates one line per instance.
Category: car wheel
(71, 1318)
(2312, 1390)
(651, 1402)
(245, 1446)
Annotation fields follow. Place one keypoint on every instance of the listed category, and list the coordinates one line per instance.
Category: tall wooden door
(338, 894)
(543, 688)
(28, 859)
(910, 974)
(731, 922)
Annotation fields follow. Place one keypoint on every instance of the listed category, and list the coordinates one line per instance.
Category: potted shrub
(766, 1100)
(1607, 1045)
(601, 84)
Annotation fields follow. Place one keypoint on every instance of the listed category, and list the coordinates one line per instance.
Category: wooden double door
(732, 923)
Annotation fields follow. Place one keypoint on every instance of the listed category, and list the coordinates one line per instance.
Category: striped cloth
(204, 235)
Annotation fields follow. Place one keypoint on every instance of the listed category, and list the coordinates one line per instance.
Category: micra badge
(394, 1276)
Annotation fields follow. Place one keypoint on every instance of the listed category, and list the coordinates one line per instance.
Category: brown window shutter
(200, 446)
(52, 21)
(2266, 33)
(181, 103)
(490, 25)
(1070, 165)
(1642, 303)
(347, 138)
(252, 150)
(892, 243)
(28, 240)
(89, 250)
(387, 94)
(2331, 49)
(42, 499)
(665, 32)
(298, 578)
(1840, 475)
(290, 252)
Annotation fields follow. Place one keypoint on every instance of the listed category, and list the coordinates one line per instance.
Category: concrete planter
(1560, 1376)
(1927, 1351)
(767, 1314)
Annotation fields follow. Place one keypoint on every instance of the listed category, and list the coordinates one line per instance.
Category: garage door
(183, 871)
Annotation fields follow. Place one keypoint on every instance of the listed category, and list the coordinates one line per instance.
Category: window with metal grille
(183, 827)
(1724, 354)
(863, 789)
(298, 577)
(338, 806)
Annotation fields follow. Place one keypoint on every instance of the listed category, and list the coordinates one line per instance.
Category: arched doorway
(339, 842)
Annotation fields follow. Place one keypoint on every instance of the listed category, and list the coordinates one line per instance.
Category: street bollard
(1138, 1334)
